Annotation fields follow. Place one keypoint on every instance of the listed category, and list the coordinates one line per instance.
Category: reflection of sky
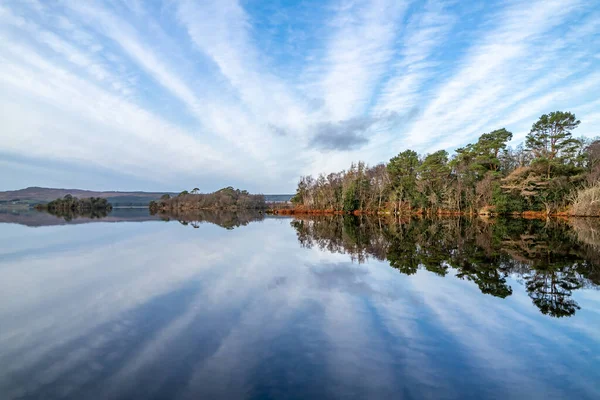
(158, 309)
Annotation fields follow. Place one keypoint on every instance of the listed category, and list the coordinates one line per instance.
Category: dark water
(242, 306)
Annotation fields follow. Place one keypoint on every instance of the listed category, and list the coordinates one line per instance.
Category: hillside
(35, 195)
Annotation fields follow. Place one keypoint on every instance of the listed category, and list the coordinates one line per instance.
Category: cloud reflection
(168, 311)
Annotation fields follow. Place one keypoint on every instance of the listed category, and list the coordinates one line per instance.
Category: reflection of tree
(485, 253)
(402, 255)
(587, 231)
(550, 287)
(70, 215)
(490, 280)
(481, 263)
(225, 219)
(404, 252)
(359, 237)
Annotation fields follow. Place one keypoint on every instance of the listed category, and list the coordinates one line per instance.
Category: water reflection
(34, 218)
(222, 218)
(69, 215)
(225, 219)
(547, 256)
(161, 310)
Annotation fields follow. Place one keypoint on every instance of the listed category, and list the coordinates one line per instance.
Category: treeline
(73, 204)
(551, 259)
(70, 207)
(225, 199)
(543, 174)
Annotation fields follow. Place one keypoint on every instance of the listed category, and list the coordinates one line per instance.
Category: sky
(172, 95)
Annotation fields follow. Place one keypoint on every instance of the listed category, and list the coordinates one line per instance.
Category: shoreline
(427, 213)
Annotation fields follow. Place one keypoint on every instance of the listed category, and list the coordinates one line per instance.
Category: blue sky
(172, 95)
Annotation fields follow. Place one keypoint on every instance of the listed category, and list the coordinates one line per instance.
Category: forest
(225, 199)
(551, 172)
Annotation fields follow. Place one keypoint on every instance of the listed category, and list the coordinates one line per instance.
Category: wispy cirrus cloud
(425, 33)
(209, 93)
(357, 54)
(500, 73)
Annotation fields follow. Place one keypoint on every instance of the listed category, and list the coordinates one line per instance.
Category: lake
(243, 306)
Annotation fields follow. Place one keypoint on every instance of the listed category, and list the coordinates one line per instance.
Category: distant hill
(35, 195)
(278, 197)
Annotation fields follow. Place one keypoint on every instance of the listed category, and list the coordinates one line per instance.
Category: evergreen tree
(550, 140)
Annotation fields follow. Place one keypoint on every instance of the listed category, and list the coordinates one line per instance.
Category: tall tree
(550, 139)
(402, 170)
(434, 174)
(489, 147)
(593, 161)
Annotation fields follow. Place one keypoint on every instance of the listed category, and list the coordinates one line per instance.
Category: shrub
(586, 202)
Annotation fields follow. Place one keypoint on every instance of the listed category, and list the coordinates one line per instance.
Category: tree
(402, 170)
(467, 172)
(303, 195)
(485, 176)
(550, 140)
(70, 207)
(351, 201)
(195, 191)
(593, 161)
(377, 184)
(434, 174)
(489, 147)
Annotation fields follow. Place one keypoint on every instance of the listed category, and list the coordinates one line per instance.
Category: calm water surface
(247, 307)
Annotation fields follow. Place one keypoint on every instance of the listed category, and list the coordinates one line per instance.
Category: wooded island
(70, 207)
(550, 173)
(225, 199)
(72, 204)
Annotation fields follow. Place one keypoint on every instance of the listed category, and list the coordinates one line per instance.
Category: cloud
(425, 32)
(215, 93)
(357, 53)
(343, 135)
(221, 30)
(354, 133)
(278, 130)
(499, 74)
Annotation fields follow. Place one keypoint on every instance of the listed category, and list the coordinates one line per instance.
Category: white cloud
(489, 83)
(425, 32)
(92, 125)
(357, 55)
(183, 91)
